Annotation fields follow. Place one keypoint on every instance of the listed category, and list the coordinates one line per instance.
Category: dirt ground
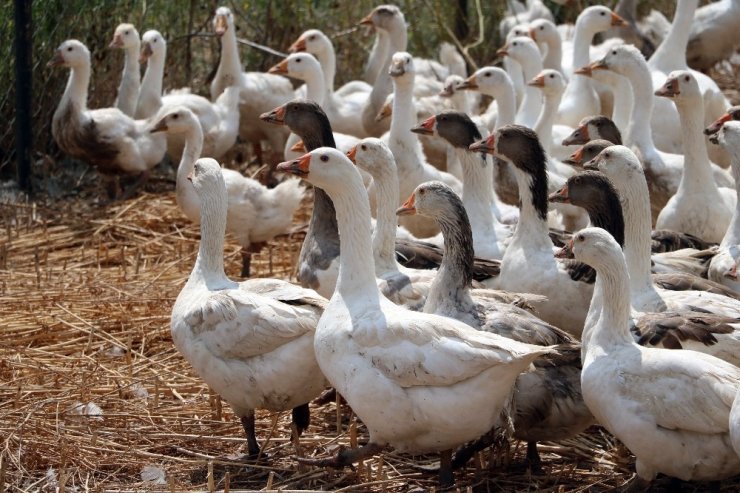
(94, 397)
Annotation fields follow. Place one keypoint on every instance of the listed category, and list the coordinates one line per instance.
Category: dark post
(23, 135)
(461, 20)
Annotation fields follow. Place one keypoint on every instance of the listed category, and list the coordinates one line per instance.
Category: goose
(524, 50)
(663, 240)
(597, 127)
(689, 441)
(670, 56)
(258, 92)
(126, 37)
(319, 45)
(713, 37)
(699, 207)
(530, 11)
(662, 170)
(622, 99)
(541, 411)
(552, 84)
(633, 32)
(531, 250)
(419, 365)
(403, 286)
(219, 120)
(412, 165)
(255, 215)
(252, 341)
(594, 192)
(623, 168)
(105, 138)
(724, 263)
(580, 98)
(731, 114)
(546, 35)
(481, 203)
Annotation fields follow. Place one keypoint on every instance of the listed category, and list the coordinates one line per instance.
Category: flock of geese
(441, 292)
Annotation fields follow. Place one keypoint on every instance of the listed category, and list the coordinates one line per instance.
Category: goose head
(596, 19)
(175, 120)
(517, 31)
(402, 67)
(451, 86)
(728, 136)
(125, 36)
(312, 41)
(520, 48)
(594, 192)
(152, 43)
(71, 54)
(297, 65)
(432, 199)
(681, 86)
(543, 32)
(487, 80)
(208, 181)
(454, 126)
(304, 118)
(325, 167)
(373, 156)
(587, 152)
(619, 164)
(619, 59)
(592, 128)
(597, 248)
(386, 17)
(223, 20)
(732, 114)
(550, 81)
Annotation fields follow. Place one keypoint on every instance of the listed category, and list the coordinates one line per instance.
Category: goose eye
(514, 43)
(363, 147)
(421, 191)
(175, 116)
(542, 28)
(324, 157)
(69, 49)
(311, 38)
(603, 14)
(125, 32)
(580, 238)
(686, 78)
(155, 40)
(298, 60)
(614, 52)
(488, 74)
(552, 76)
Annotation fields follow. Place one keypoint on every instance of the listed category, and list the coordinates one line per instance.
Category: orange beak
(533, 34)
(161, 126)
(487, 145)
(732, 273)
(190, 177)
(367, 20)
(385, 112)
(599, 65)
(426, 127)
(469, 83)
(298, 147)
(117, 42)
(352, 154)
(714, 127)
(538, 81)
(560, 196)
(585, 70)
(566, 251)
(146, 52)
(669, 89)
(578, 137)
(220, 25)
(298, 167)
(276, 116)
(281, 68)
(299, 45)
(618, 21)
(575, 158)
(57, 60)
(503, 51)
(408, 208)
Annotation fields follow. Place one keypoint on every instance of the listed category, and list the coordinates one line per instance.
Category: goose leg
(135, 186)
(252, 446)
(246, 263)
(329, 395)
(464, 453)
(446, 476)
(533, 458)
(345, 457)
(301, 417)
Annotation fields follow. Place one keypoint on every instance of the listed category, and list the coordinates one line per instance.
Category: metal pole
(23, 129)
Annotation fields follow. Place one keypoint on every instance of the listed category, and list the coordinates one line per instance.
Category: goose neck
(77, 85)
(554, 57)
(532, 101)
(506, 102)
(190, 154)
(582, 38)
(623, 100)
(230, 67)
(697, 170)
(478, 192)
(131, 62)
(732, 236)
(671, 54)
(639, 132)
(315, 85)
(328, 60)
(378, 55)
(356, 265)
(151, 84)
(532, 230)
(209, 265)
(384, 236)
(402, 120)
(546, 120)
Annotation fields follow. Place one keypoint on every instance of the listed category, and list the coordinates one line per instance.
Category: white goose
(552, 84)
(622, 99)
(689, 441)
(529, 265)
(412, 165)
(724, 263)
(524, 50)
(105, 138)
(126, 37)
(662, 169)
(258, 92)
(219, 120)
(699, 207)
(251, 342)
(418, 365)
(256, 214)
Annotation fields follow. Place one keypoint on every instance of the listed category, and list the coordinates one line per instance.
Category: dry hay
(95, 397)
